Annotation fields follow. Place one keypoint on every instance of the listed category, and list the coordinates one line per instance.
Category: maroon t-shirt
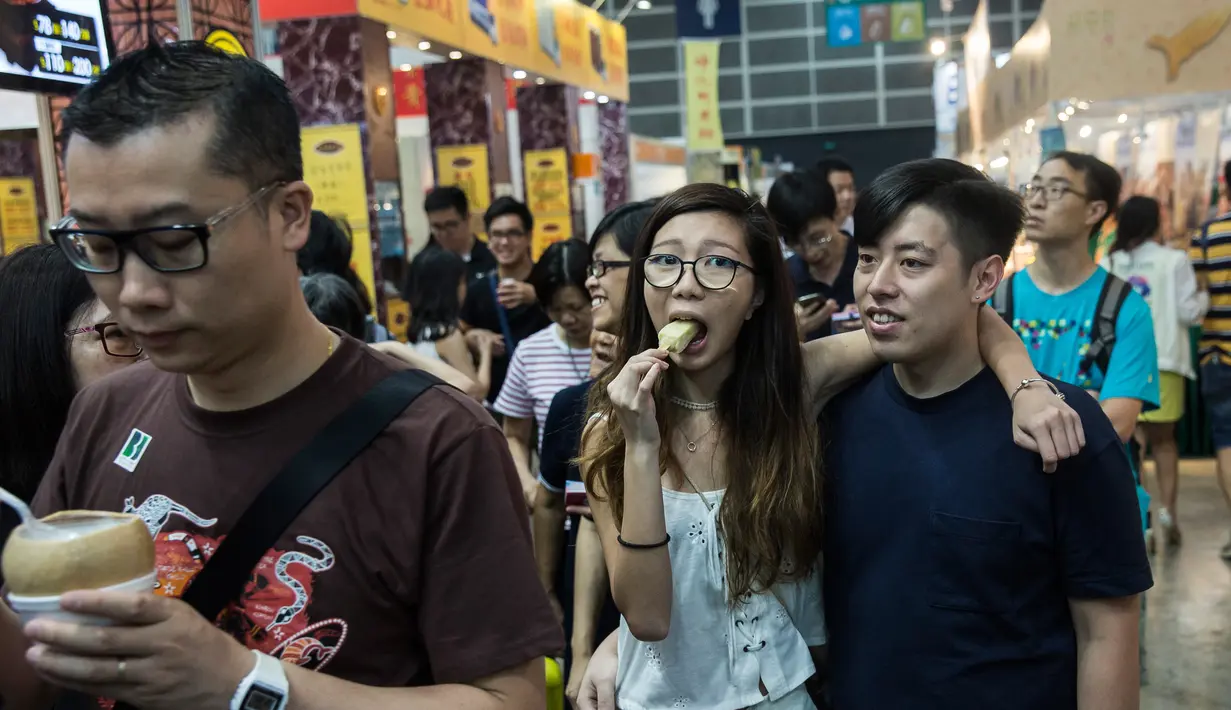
(413, 567)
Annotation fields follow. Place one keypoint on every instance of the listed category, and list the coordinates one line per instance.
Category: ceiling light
(1123, 118)
(406, 67)
(1062, 116)
(1082, 105)
(1007, 141)
(979, 167)
(540, 81)
(519, 74)
(603, 99)
(1070, 110)
(1137, 140)
(455, 54)
(938, 47)
(1028, 129)
(424, 46)
(391, 34)
(1085, 131)
(644, 4)
(1030, 122)
(588, 96)
(999, 162)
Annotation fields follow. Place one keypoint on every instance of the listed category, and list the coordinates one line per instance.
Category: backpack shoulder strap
(1002, 299)
(1103, 330)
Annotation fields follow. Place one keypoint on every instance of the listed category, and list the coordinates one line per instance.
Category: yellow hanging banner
(547, 188)
(19, 223)
(333, 168)
(701, 85)
(548, 231)
(465, 166)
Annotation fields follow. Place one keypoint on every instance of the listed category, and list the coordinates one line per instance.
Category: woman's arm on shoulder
(438, 368)
(834, 362)
(1042, 422)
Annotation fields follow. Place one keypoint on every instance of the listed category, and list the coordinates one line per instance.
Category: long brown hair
(771, 512)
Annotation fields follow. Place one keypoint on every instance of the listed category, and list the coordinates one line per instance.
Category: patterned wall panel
(547, 118)
(134, 22)
(323, 67)
(613, 136)
(458, 110)
(234, 16)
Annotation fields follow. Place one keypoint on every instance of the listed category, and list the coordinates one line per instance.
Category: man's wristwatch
(264, 688)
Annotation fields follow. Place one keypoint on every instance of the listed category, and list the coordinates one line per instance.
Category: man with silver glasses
(189, 205)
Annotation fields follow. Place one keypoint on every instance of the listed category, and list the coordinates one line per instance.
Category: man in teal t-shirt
(1055, 298)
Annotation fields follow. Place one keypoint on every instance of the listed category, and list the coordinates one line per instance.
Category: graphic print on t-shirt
(272, 613)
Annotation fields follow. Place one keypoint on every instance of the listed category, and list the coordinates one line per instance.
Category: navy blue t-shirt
(950, 556)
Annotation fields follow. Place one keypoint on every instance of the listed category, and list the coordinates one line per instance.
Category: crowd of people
(882, 472)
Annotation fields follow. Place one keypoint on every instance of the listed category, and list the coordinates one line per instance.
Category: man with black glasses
(448, 216)
(188, 208)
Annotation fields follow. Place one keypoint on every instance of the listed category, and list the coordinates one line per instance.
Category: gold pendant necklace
(692, 445)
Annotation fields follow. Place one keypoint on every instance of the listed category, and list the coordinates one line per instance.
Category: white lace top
(713, 657)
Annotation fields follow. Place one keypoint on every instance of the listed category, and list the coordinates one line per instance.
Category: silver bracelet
(1026, 383)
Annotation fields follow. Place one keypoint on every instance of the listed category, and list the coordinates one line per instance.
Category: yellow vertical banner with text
(701, 85)
(19, 223)
(548, 196)
(615, 60)
(572, 36)
(333, 168)
(465, 166)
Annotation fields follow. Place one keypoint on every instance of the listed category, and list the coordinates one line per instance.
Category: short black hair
(983, 217)
(624, 223)
(832, 164)
(328, 251)
(256, 128)
(1102, 182)
(335, 303)
(504, 206)
(447, 197)
(42, 296)
(562, 264)
(797, 199)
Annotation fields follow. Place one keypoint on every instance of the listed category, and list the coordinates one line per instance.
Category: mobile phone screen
(575, 493)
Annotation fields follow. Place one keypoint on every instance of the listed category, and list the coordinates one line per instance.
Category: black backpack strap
(1103, 330)
(333, 448)
(1002, 299)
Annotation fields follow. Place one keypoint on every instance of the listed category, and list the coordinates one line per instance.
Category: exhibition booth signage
(558, 39)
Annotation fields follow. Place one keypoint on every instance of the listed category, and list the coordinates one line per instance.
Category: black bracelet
(634, 546)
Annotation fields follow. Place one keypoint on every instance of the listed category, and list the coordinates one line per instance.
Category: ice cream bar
(676, 335)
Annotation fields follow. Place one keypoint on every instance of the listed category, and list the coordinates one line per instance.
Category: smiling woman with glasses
(55, 338)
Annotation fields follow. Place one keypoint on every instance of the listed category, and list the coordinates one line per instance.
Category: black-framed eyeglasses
(116, 342)
(1051, 193)
(171, 249)
(599, 268)
(712, 271)
(816, 241)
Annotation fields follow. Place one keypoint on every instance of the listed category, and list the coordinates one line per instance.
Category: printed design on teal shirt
(1033, 332)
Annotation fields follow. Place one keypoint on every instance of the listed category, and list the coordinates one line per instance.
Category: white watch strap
(269, 677)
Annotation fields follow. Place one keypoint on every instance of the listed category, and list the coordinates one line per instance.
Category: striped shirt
(1210, 252)
(542, 365)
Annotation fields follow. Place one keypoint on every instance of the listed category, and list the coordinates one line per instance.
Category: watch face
(261, 699)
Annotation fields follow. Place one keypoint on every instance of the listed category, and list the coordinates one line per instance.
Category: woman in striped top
(550, 360)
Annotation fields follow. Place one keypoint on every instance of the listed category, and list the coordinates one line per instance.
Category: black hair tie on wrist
(634, 546)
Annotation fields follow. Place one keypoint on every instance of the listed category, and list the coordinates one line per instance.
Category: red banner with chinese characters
(408, 92)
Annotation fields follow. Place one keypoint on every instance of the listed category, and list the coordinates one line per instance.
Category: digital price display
(52, 45)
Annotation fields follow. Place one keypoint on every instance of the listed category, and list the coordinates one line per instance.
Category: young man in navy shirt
(958, 574)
